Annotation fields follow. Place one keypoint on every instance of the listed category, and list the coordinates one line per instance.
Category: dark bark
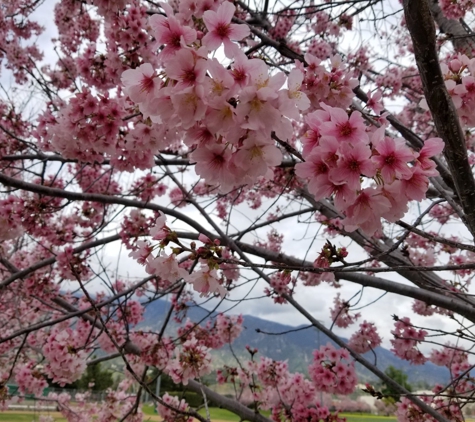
(420, 24)
(454, 30)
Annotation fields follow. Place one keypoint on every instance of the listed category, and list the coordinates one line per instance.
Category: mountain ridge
(295, 345)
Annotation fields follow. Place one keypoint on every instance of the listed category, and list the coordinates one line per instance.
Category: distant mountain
(296, 346)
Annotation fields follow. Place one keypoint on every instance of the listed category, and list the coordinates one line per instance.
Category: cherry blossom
(141, 83)
(221, 30)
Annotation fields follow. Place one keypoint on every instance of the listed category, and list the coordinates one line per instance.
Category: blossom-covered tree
(189, 134)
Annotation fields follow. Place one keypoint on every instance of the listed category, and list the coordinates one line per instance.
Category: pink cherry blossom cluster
(86, 129)
(422, 308)
(320, 49)
(242, 106)
(148, 187)
(449, 356)
(283, 24)
(331, 84)
(65, 356)
(340, 153)
(441, 212)
(16, 54)
(126, 42)
(9, 229)
(365, 339)
(456, 9)
(281, 283)
(406, 339)
(271, 386)
(73, 266)
(409, 412)
(332, 370)
(131, 312)
(73, 32)
(229, 328)
(224, 330)
(390, 82)
(340, 313)
(192, 361)
(459, 75)
(325, 24)
(328, 255)
(13, 124)
(456, 360)
(206, 280)
(155, 352)
(30, 380)
(116, 405)
(172, 408)
(274, 241)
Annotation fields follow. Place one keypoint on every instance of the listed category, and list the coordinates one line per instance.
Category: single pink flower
(169, 32)
(366, 212)
(293, 100)
(374, 102)
(243, 68)
(187, 68)
(394, 194)
(313, 167)
(206, 282)
(312, 136)
(392, 159)
(212, 162)
(222, 31)
(343, 128)
(431, 148)
(257, 156)
(140, 83)
(221, 82)
(415, 187)
(353, 163)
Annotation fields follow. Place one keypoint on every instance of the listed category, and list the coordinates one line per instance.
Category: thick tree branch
(462, 42)
(420, 24)
(234, 406)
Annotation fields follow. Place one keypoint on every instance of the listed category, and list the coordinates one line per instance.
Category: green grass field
(357, 417)
(24, 417)
(148, 410)
(220, 414)
(215, 413)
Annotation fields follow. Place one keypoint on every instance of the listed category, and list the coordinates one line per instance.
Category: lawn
(220, 414)
(216, 414)
(359, 417)
(28, 416)
(226, 416)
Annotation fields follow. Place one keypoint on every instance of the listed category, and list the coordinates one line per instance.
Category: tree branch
(52, 260)
(462, 42)
(420, 24)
